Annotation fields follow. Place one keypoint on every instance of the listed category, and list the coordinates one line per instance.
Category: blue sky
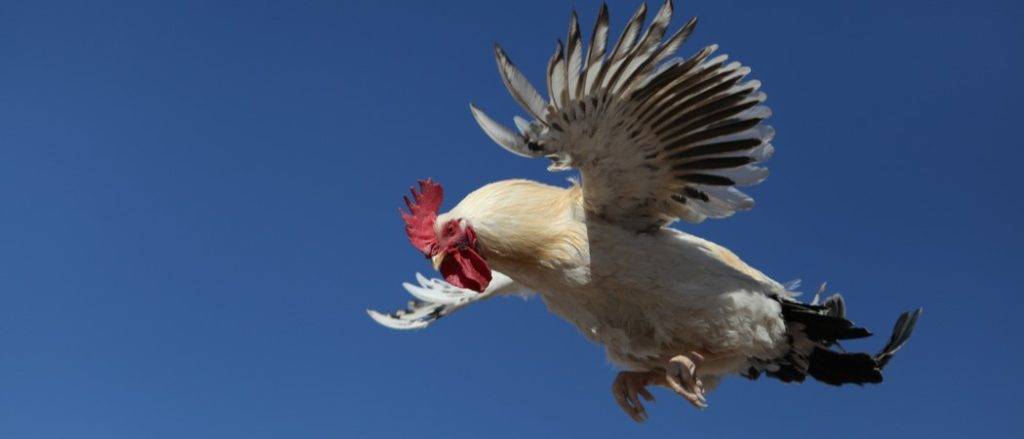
(199, 201)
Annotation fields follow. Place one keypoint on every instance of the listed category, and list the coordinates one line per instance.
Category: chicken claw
(682, 378)
(627, 388)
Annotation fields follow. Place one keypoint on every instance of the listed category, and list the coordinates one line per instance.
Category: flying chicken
(655, 138)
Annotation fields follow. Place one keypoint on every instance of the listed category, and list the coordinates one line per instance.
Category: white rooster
(655, 139)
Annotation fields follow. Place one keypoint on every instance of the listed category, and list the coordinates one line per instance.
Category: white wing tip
(393, 323)
(498, 133)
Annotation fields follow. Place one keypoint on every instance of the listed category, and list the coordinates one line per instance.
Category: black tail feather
(837, 368)
(824, 325)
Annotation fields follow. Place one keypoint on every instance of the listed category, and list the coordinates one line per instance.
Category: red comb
(419, 221)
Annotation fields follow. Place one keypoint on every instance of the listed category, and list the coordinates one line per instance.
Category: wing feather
(574, 53)
(595, 54)
(512, 142)
(556, 77)
(622, 46)
(437, 298)
(650, 43)
(655, 138)
(520, 88)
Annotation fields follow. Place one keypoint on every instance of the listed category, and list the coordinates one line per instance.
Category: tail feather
(823, 323)
(813, 329)
(837, 368)
(900, 334)
(836, 306)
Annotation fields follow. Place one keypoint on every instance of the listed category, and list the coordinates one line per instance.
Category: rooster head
(450, 245)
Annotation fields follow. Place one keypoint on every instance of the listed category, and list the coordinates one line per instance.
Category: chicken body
(645, 297)
(655, 139)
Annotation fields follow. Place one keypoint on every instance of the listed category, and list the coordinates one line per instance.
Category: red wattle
(466, 269)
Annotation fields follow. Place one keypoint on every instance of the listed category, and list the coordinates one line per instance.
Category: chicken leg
(680, 376)
(628, 387)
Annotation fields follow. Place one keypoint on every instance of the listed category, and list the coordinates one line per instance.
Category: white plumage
(655, 139)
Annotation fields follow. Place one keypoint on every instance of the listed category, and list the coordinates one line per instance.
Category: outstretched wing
(436, 298)
(654, 138)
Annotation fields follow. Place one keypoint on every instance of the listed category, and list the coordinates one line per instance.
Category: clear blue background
(198, 201)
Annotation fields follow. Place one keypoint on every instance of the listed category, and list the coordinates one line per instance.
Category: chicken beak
(437, 260)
